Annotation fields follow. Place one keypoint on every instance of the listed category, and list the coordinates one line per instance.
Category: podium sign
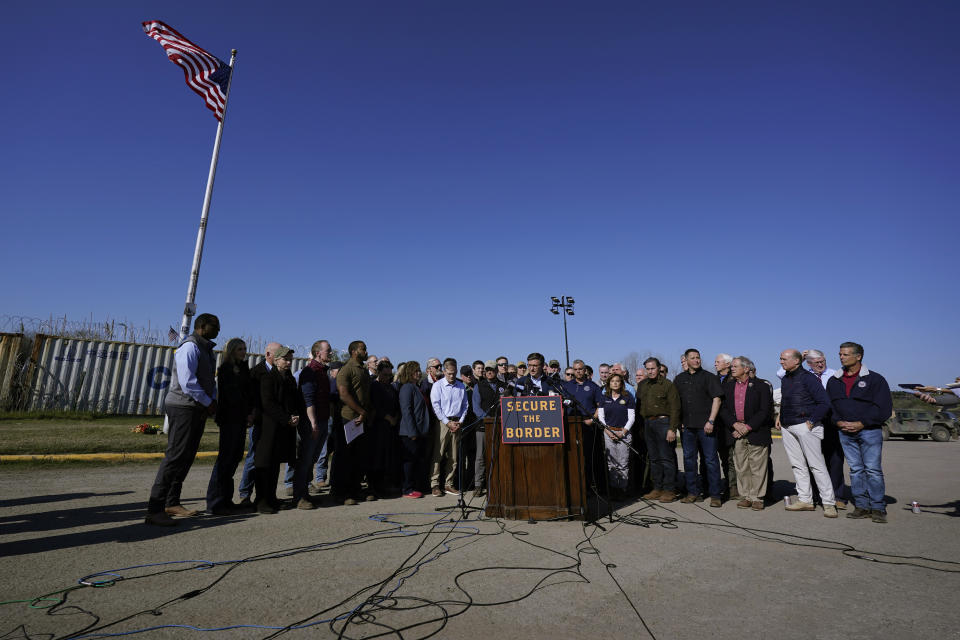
(540, 480)
(532, 420)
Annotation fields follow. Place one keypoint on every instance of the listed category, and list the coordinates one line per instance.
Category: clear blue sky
(740, 177)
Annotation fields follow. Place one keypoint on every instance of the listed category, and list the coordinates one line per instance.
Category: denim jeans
(695, 440)
(247, 477)
(306, 455)
(321, 456)
(863, 453)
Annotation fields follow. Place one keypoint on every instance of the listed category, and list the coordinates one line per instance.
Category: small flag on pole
(205, 73)
(173, 335)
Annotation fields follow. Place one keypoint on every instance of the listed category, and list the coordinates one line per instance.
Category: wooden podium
(538, 481)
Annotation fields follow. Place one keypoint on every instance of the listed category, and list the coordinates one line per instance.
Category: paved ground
(703, 576)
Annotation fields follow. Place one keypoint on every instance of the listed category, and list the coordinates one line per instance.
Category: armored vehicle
(913, 424)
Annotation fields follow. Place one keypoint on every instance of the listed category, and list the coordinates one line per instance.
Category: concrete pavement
(690, 571)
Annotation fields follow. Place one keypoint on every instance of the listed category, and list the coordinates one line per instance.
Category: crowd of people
(364, 429)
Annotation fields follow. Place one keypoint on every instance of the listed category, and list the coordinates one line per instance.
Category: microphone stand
(568, 397)
(461, 503)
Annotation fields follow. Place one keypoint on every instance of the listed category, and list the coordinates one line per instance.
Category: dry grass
(29, 435)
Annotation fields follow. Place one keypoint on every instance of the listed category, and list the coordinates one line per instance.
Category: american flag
(206, 74)
(173, 335)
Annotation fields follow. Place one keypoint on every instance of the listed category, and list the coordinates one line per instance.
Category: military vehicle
(913, 424)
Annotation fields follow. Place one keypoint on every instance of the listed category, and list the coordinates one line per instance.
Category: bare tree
(631, 362)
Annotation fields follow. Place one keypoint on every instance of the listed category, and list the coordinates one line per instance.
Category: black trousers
(663, 454)
(640, 479)
(183, 440)
(413, 461)
(265, 480)
(594, 460)
(348, 467)
(229, 455)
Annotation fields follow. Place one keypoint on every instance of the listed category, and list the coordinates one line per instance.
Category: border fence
(81, 374)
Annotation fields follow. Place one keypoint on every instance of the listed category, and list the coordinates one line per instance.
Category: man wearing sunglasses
(501, 366)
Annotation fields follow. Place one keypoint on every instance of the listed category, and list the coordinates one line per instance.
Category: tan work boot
(305, 504)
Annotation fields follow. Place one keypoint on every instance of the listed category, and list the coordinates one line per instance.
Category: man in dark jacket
(314, 384)
(861, 403)
(803, 405)
(536, 383)
(259, 370)
(658, 404)
(485, 403)
(191, 398)
(746, 414)
(283, 412)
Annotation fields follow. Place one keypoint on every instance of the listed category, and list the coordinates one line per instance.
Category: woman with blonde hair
(235, 405)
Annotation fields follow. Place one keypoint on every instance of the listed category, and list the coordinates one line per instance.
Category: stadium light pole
(563, 306)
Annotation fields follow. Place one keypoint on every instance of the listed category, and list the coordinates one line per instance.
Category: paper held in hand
(351, 430)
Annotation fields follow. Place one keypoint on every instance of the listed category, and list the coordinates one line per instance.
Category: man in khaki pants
(746, 412)
(448, 397)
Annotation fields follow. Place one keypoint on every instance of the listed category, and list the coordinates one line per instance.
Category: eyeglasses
(569, 375)
(501, 364)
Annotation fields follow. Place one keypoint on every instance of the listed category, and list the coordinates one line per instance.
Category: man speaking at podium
(534, 383)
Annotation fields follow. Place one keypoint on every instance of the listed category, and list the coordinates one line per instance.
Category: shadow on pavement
(127, 516)
(60, 497)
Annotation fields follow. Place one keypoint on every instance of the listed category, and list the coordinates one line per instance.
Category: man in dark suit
(253, 433)
(746, 413)
(535, 383)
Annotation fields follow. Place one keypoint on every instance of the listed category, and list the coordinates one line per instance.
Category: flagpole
(190, 308)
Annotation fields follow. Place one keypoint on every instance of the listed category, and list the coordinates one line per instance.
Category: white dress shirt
(449, 399)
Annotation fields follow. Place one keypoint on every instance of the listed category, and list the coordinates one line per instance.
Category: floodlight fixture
(563, 306)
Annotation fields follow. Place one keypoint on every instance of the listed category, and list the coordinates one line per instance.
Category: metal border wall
(9, 352)
(105, 377)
